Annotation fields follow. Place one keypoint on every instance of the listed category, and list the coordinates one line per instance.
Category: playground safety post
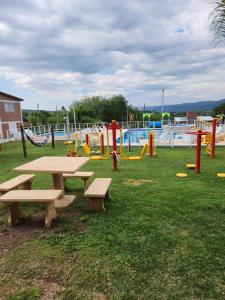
(199, 135)
(114, 144)
(87, 139)
(150, 145)
(198, 151)
(102, 143)
(213, 138)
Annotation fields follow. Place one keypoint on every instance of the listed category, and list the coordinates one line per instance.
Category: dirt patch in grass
(13, 237)
(137, 182)
(99, 296)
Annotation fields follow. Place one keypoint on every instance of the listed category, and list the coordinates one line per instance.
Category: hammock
(37, 144)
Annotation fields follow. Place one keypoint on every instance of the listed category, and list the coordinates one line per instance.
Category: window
(10, 107)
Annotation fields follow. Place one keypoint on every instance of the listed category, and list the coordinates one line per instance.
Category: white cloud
(60, 49)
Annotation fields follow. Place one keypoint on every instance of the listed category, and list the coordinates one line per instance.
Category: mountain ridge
(200, 106)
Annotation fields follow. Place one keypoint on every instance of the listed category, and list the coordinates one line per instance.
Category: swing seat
(134, 158)
(68, 143)
(95, 157)
(142, 156)
(87, 151)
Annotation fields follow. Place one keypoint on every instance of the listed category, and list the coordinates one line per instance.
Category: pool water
(136, 135)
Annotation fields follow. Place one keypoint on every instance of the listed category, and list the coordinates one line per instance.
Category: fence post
(53, 137)
(23, 142)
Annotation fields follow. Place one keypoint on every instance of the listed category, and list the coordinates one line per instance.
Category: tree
(217, 17)
(219, 109)
(96, 109)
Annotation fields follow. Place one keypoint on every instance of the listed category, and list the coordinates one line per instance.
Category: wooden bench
(24, 181)
(82, 175)
(14, 198)
(98, 193)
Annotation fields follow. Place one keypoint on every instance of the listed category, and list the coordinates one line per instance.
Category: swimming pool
(136, 135)
(162, 135)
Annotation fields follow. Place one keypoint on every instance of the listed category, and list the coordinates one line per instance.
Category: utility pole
(67, 121)
(74, 115)
(38, 114)
(57, 116)
(163, 91)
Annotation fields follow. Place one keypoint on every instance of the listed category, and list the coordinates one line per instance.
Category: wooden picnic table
(56, 166)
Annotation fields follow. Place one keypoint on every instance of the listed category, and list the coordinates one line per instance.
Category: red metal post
(102, 143)
(199, 134)
(150, 145)
(87, 139)
(114, 127)
(213, 138)
(198, 151)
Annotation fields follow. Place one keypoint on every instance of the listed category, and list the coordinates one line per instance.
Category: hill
(201, 106)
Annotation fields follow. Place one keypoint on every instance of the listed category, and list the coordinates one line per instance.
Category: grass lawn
(163, 239)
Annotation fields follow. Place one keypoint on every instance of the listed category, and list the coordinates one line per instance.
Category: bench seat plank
(15, 182)
(31, 196)
(79, 175)
(98, 187)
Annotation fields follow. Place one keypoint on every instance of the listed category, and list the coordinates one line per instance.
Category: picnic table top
(53, 164)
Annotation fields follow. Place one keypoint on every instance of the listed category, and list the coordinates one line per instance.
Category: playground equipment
(199, 134)
(182, 175)
(221, 175)
(72, 151)
(151, 145)
(33, 142)
(125, 157)
(102, 155)
(191, 166)
(101, 144)
(141, 156)
(114, 126)
(210, 140)
(87, 151)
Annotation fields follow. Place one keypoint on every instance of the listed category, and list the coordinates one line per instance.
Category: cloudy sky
(54, 51)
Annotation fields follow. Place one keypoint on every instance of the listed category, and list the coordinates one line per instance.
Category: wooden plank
(98, 188)
(15, 182)
(79, 175)
(31, 196)
(53, 164)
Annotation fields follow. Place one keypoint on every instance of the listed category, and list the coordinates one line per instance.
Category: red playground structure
(114, 126)
(199, 134)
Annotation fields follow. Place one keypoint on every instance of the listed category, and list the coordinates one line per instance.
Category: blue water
(59, 133)
(135, 136)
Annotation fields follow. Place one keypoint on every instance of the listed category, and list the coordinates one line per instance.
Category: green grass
(164, 239)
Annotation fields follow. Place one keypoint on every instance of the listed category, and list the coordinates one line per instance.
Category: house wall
(15, 118)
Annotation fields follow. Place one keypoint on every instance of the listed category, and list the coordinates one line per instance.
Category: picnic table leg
(97, 204)
(58, 182)
(14, 214)
(64, 200)
(85, 183)
(107, 197)
(50, 214)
